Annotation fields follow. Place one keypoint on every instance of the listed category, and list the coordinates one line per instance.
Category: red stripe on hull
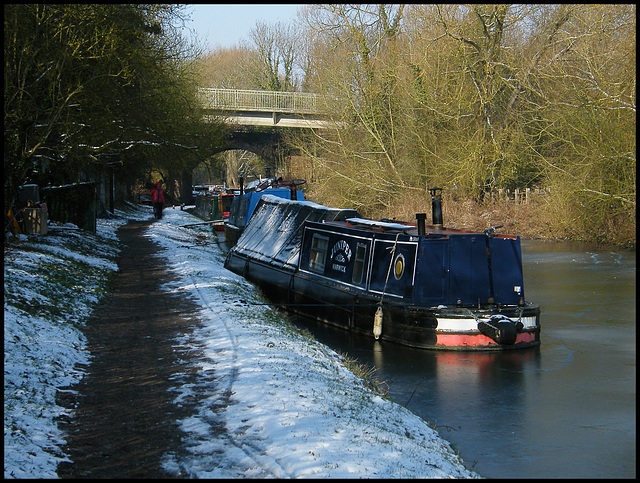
(478, 340)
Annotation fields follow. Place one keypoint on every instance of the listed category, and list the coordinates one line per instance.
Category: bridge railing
(260, 101)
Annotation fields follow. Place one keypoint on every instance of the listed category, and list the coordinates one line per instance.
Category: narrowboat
(214, 207)
(423, 286)
(244, 205)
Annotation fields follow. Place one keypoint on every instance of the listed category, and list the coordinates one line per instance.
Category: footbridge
(265, 108)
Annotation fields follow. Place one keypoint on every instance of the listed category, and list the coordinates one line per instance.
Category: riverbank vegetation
(94, 92)
(473, 99)
(470, 98)
(479, 99)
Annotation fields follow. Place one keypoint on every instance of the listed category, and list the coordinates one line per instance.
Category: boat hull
(436, 328)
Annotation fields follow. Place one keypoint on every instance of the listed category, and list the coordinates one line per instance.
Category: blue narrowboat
(244, 205)
(421, 285)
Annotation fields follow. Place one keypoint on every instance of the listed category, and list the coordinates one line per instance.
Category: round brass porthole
(398, 267)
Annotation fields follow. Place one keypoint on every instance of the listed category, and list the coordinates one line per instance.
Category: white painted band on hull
(471, 324)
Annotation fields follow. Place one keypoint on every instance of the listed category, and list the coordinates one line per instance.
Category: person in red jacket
(157, 196)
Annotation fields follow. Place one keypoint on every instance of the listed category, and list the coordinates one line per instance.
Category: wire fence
(517, 195)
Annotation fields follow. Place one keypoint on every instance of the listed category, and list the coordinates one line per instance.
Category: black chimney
(420, 218)
(241, 179)
(436, 206)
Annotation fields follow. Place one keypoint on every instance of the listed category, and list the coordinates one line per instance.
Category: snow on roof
(311, 204)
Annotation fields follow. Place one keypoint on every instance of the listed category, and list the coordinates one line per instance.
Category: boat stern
(503, 329)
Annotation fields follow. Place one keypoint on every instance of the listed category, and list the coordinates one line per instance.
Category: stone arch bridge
(256, 119)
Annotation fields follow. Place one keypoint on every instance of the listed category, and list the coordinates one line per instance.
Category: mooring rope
(393, 252)
(377, 318)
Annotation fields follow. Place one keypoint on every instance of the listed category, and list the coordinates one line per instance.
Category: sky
(295, 410)
(226, 25)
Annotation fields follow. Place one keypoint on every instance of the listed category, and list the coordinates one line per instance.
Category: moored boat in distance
(244, 205)
(421, 285)
(214, 206)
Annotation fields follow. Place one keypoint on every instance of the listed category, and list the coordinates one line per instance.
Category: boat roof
(407, 228)
(348, 218)
(275, 228)
(385, 225)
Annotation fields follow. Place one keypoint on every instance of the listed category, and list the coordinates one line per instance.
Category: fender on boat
(501, 329)
(377, 323)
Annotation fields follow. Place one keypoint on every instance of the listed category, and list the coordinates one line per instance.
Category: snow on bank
(51, 284)
(270, 401)
(287, 405)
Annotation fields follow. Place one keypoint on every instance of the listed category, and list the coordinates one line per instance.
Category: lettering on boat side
(341, 255)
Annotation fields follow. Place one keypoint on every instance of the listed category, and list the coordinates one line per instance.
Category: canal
(566, 409)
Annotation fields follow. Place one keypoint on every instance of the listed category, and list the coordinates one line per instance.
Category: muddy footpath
(123, 420)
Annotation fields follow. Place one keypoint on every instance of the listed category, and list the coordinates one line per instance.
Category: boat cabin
(444, 267)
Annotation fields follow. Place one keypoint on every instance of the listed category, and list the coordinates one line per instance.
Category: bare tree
(585, 102)
(354, 53)
(480, 97)
(276, 46)
(230, 68)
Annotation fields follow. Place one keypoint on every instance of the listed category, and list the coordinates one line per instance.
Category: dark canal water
(566, 409)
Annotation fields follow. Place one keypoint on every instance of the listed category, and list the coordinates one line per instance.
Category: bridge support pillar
(186, 185)
(179, 186)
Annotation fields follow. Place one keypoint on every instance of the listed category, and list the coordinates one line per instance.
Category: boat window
(398, 269)
(358, 265)
(319, 245)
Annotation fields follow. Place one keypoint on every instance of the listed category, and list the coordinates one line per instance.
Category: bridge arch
(266, 144)
(255, 118)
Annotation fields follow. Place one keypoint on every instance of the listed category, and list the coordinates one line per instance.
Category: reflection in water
(565, 409)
